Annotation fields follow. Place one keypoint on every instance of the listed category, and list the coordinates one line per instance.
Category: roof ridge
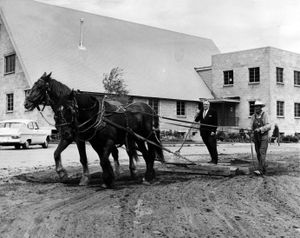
(118, 19)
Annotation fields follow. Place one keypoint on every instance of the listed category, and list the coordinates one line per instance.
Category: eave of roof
(223, 100)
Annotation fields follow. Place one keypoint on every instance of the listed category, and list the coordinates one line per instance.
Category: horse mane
(59, 88)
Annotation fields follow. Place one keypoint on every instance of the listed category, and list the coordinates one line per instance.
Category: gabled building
(79, 47)
(166, 69)
(269, 74)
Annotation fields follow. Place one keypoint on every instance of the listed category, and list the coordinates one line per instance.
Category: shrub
(232, 136)
(289, 138)
(171, 135)
(221, 136)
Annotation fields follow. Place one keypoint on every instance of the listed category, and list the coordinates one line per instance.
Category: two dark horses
(81, 117)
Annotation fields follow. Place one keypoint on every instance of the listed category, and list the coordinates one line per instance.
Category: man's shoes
(212, 162)
(258, 173)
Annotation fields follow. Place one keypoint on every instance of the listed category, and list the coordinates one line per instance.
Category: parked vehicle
(23, 133)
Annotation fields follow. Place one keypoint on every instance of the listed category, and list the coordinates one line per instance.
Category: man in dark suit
(208, 126)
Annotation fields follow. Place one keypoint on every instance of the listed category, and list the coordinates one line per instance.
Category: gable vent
(81, 46)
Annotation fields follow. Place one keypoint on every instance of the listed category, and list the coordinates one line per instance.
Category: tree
(114, 83)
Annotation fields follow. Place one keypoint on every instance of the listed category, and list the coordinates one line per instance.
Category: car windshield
(11, 125)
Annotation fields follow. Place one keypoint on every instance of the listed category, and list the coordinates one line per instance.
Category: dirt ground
(34, 203)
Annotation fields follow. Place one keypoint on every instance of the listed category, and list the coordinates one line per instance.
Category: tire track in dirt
(60, 212)
(252, 211)
(179, 205)
(227, 197)
(127, 200)
(204, 212)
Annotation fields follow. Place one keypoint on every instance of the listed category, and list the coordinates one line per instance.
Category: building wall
(11, 83)
(206, 76)
(286, 92)
(167, 108)
(267, 59)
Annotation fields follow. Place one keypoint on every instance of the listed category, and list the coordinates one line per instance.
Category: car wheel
(26, 145)
(17, 147)
(45, 144)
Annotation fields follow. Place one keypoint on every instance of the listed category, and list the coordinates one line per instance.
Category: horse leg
(103, 153)
(62, 145)
(150, 173)
(115, 155)
(85, 178)
(131, 151)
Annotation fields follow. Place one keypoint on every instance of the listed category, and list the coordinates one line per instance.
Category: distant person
(260, 126)
(276, 134)
(208, 119)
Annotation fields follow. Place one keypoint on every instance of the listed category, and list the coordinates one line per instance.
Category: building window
(30, 126)
(154, 104)
(10, 64)
(10, 102)
(180, 108)
(280, 108)
(254, 75)
(297, 110)
(297, 78)
(26, 92)
(279, 75)
(228, 77)
(251, 108)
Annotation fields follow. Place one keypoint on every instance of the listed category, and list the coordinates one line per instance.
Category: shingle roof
(156, 62)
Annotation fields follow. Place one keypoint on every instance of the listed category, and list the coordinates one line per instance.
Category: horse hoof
(117, 174)
(106, 186)
(133, 176)
(63, 175)
(145, 182)
(84, 181)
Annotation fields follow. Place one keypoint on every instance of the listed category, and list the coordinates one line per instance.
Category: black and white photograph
(149, 118)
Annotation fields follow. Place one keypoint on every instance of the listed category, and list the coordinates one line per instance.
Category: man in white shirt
(260, 126)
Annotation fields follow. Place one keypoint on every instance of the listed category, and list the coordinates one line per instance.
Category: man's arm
(197, 117)
(267, 125)
(215, 121)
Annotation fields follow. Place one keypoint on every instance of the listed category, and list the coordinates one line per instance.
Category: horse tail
(156, 139)
(155, 121)
(148, 113)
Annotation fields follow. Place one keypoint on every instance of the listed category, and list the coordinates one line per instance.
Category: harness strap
(45, 117)
(129, 130)
(98, 120)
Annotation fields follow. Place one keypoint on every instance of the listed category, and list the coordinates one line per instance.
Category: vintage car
(23, 132)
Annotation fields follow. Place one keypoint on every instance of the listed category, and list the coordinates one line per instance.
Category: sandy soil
(34, 203)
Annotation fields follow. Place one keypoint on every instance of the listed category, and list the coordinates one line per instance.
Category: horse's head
(38, 94)
(65, 116)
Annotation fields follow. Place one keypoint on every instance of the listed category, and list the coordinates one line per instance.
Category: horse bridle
(46, 100)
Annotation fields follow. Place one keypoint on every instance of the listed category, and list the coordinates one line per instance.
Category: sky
(233, 25)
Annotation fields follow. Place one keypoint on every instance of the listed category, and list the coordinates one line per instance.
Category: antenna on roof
(81, 46)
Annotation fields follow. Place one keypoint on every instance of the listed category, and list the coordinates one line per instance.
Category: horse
(90, 119)
(47, 92)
